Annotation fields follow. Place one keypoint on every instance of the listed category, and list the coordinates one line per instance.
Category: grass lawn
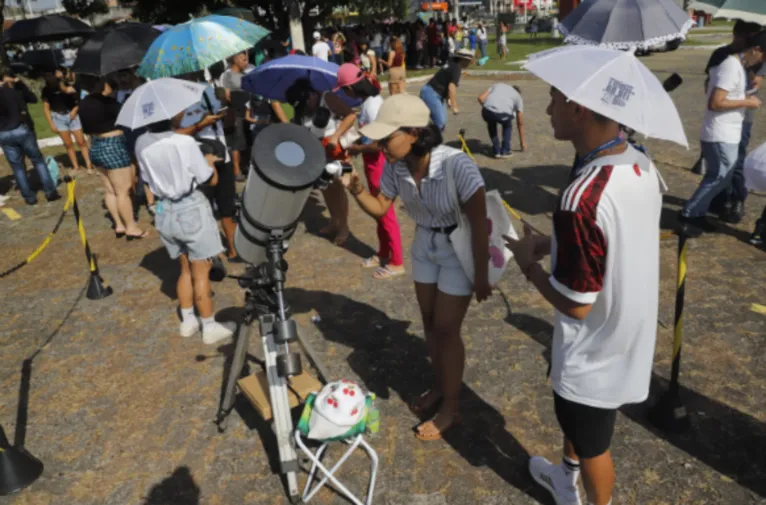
(41, 124)
(692, 41)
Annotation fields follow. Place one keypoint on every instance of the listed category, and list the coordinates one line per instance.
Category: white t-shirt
(482, 33)
(321, 50)
(171, 164)
(196, 112)
(369, 110)
(726, 126)
(606, 252)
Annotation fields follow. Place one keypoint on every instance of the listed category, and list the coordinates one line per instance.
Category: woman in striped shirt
(415, 172)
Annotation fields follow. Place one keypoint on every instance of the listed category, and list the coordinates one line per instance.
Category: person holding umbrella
(175, 170)
(603, 283)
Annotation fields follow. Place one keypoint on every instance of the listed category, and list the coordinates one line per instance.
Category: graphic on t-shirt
(495, 253)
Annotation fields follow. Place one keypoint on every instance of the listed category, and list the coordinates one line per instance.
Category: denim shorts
(434, 261)
(110, 153)
(188, 227)
(64, 124)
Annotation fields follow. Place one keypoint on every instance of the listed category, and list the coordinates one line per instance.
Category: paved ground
(120, 408)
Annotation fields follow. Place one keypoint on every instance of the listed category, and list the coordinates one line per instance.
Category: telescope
(289, 161)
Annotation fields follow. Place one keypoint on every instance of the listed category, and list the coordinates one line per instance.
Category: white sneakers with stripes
(552, 477)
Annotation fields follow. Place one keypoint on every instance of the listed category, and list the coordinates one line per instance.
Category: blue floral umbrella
(198, 44)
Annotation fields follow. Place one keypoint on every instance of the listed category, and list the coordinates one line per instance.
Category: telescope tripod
(264, 301)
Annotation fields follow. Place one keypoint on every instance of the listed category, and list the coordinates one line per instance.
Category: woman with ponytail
(416, 172)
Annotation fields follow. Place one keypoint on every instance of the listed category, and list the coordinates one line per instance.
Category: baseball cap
(317, 35)
(399, 111)
(348, 75)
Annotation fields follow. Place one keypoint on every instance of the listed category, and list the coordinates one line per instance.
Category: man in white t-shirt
(604, 286)
(203, 121)
(174, 168)
(722, 127)
(320, 49)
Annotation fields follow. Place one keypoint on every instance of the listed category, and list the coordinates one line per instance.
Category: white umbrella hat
(159, 100)
(614, 84)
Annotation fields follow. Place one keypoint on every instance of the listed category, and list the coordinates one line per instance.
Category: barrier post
(18, 468)
(97, 288)
(669, 413)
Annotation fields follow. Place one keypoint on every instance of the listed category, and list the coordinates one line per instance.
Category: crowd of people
(602, 283)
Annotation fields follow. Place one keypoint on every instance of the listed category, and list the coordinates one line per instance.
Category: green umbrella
(752, 11)
(707, 6)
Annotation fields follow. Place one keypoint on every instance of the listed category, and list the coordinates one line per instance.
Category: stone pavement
(120, 409)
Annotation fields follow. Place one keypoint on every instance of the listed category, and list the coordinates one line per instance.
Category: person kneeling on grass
(175, 168)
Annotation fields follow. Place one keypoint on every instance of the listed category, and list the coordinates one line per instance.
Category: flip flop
(438, 434)
(371, 262)
(386, 273)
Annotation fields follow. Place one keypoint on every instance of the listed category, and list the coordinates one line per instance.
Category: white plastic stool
(329, 475)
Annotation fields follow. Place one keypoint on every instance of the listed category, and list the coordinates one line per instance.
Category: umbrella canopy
(271, 80)
(159, 100)
(614, 84)
(198, 44)
(706, 6)
(116, 49)
(755, 169)
(45, 28)
(752, 11)
(625, 24)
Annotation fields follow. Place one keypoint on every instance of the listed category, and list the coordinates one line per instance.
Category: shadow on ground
(167, 270)
(723, 438)
(388, 358)
(177, 489)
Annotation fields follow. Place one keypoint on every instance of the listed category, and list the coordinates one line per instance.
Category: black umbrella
(115, 49)
(45, 28)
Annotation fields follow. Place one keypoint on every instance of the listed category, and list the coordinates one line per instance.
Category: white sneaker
(552, 478)
(189, 328)
(217, 332)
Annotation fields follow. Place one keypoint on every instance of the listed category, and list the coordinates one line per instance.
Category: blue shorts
(188, 227)
(64, 124)
(110, 153)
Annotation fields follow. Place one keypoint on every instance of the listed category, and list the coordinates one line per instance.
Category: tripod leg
(280, 407)
(237, 363)
(309, 351)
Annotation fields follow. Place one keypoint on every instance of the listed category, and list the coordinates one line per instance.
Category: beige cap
(399, 111)
(464, 54)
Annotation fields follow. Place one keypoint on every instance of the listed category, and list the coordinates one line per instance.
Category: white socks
(571, 469)
(610, 503)
(187, 315)
(208, 323)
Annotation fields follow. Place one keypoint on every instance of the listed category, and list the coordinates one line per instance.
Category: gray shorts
(188, 227)
(64, 124)
(434, 261)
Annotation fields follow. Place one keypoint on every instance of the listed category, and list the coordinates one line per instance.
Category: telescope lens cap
(288, 156)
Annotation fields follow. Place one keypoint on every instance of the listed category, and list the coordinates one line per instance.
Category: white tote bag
(755, 169)
(499, 224)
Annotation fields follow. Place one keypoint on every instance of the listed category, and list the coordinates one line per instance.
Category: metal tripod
(264, 300)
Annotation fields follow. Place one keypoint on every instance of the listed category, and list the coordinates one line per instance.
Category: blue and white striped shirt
(433, 207)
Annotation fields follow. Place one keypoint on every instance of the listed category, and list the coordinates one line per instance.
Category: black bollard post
(18, 468)
(669, 413)
(97, 288)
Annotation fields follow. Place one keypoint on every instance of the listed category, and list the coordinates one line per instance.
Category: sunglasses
(383, 143)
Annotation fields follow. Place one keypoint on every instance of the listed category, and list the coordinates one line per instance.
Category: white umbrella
(158, 101)
(755, 169)
(614, 84)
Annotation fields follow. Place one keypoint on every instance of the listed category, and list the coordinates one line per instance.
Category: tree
(85, 8)
(3, 56)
